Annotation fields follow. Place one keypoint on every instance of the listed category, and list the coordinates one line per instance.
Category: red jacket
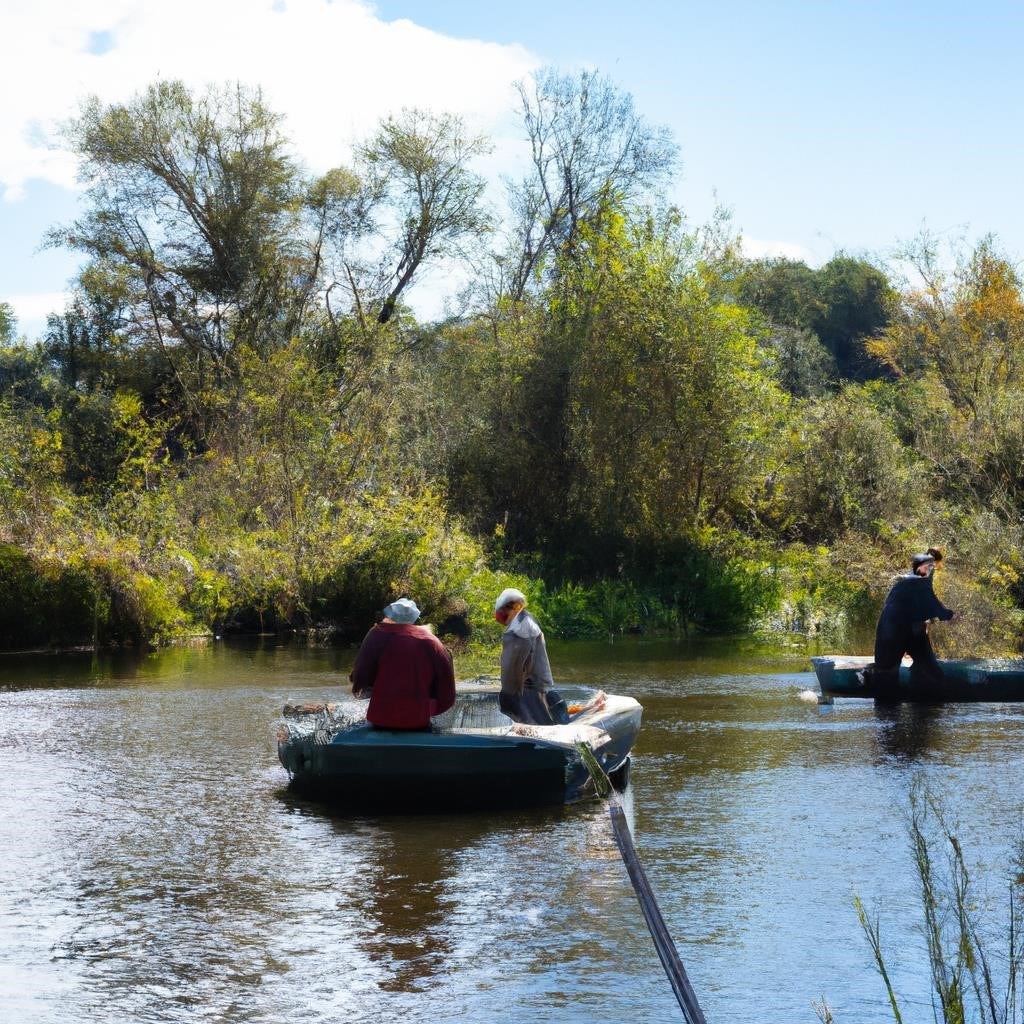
(408, 673)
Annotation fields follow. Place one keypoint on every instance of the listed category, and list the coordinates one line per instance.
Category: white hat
(509, 595)
(403, 610)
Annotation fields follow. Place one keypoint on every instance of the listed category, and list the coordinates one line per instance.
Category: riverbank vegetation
(237, 422)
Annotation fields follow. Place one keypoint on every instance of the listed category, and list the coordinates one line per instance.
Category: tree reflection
(408, 899)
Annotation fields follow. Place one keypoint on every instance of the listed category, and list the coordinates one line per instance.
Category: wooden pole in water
(663, 943)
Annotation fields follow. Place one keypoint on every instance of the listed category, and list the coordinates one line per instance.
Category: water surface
(156, 868)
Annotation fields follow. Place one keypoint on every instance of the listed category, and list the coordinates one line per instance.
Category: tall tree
(420, 164)
(631, 409)
(586, 141)
(673, 405)
(855, 299)
(193, 205)
(785, 290)
(844, 304)
(963, 323)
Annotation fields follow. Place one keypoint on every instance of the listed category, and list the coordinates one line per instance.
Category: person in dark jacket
(405, 671)
(903, 625)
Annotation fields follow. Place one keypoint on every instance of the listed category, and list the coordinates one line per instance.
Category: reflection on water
(908, 731)
(156, 867)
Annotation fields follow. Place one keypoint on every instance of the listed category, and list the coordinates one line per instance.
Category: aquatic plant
(970, 982)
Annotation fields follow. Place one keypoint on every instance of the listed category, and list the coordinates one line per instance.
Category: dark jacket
(408, 673)
(910, 604)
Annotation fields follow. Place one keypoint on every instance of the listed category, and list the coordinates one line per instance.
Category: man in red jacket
(405, 671)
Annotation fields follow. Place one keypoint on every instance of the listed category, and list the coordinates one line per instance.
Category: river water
(154, 867)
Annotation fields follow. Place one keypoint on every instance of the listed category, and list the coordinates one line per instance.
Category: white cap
(403, 610)
(507, 596)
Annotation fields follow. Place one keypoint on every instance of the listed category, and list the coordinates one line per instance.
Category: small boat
(965, 680)
(473, 756)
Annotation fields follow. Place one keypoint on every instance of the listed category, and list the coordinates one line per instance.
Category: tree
(964, 324)
(844, 304)
(846, 471)
(8, 324)
(632, 408)
(419, 163)
(855, 299)
(191, 228)
(586, 141)
(957, 343)
(785, 290)
(674, 409)
(30, 464)
(803, 365)
(338, 215)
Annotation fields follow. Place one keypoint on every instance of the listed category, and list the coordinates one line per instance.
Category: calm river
(155, 868)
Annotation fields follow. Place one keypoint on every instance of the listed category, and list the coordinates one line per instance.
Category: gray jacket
(524, 657)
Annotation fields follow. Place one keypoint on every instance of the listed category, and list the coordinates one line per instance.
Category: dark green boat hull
(365, 768)
(964, 681)
(399, 770)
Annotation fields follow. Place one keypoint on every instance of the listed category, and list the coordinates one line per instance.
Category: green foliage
(803, 365)
(31, 461)
(22, 375)
(89, 598)
(236, 424)
(719, 589)
(845, 470)
(631, 408)
(695, 586)
(191, 227)
(8, 324)
(821, 594)
(845, 304)
(856, 299)
(672, 411)
(40, 604)
(786, 291)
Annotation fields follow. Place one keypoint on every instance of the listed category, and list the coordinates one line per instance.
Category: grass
(975, 962)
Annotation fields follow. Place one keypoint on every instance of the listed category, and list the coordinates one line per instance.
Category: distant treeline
(238, 424)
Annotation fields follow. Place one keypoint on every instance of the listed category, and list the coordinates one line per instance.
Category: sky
(821, 125)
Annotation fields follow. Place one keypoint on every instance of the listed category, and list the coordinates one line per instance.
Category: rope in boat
(667, 952)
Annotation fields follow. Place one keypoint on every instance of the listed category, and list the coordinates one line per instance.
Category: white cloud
(757, 248)
(332, 68)
(32, 308)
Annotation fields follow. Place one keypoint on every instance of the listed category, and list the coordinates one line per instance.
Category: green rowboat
(473, 757)
(965, 680)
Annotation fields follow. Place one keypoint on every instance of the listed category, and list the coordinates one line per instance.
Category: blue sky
(823, 126)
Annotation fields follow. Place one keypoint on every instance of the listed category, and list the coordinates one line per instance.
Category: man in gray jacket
(527, 689)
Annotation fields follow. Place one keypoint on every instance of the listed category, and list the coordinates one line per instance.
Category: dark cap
(931, 555)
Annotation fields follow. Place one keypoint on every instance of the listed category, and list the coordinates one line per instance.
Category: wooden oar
(663, 943)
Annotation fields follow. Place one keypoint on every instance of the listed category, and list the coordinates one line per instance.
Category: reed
(975, 963)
